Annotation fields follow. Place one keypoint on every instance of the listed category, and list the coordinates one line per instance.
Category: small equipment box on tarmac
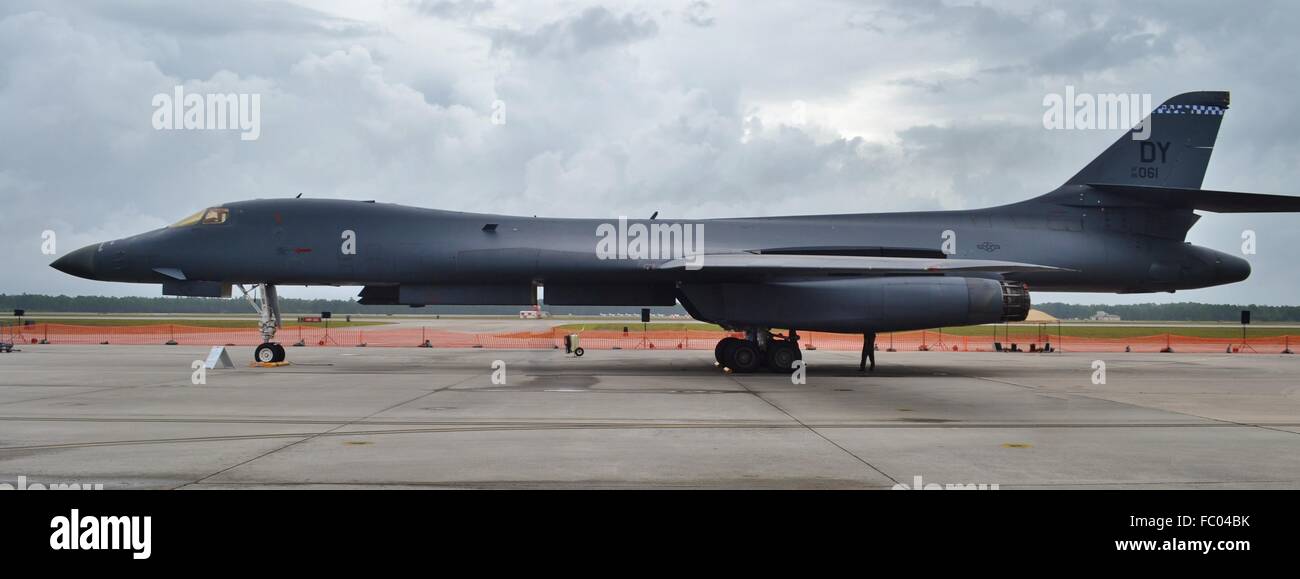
(571, 345)
(10, 336)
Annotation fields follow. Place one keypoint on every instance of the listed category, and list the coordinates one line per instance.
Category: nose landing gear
(267, 304)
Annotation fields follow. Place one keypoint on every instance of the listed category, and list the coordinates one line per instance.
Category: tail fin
(1179, 137)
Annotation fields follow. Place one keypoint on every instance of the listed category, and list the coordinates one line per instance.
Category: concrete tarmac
(129, 417)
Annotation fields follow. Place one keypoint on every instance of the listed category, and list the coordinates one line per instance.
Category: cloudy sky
(691, 108)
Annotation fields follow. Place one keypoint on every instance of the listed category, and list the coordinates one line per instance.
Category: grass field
(200, 323)
(632, 325)
(1110, 331)
(1072, 330)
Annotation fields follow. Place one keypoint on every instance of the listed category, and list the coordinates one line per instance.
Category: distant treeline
(1179, 312)
(1184, 311)
(180, 305)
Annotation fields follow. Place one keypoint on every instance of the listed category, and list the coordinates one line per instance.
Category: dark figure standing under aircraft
(868, 351)
(1117, 226)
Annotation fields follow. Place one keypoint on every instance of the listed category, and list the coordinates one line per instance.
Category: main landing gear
(267, 304)
(757, 350)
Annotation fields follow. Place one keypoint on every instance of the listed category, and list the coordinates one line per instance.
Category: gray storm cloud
(616, 108)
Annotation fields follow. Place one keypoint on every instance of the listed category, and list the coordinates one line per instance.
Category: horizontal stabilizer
(847, 264)
(1203, 199)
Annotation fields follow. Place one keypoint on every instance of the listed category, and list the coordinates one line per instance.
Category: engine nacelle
(856, 305)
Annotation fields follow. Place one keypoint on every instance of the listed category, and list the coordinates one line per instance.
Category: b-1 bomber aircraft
(1118, 226)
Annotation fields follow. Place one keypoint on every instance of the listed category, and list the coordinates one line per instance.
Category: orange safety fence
(1025, 338)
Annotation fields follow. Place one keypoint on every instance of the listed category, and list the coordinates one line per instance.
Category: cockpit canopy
(209, 216)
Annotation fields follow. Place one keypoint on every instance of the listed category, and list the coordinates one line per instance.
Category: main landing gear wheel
(743, 356)
(579, 352)
(720, 350)
(781, 355)
(269, 352)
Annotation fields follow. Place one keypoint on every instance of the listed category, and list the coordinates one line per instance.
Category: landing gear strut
(267, 305)
(759, 348)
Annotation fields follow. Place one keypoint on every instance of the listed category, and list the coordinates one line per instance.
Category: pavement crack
(330, 431)
(811, 429)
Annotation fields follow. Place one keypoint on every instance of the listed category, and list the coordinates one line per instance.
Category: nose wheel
(269, 352)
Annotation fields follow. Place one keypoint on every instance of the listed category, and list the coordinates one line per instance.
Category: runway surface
(129, 417)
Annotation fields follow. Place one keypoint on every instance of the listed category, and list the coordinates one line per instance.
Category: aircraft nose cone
(80, 263)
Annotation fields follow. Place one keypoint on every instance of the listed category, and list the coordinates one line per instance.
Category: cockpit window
(215, 215)
(191, 220)
(209, 216)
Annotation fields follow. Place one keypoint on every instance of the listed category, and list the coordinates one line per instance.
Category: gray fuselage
(302, 242)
